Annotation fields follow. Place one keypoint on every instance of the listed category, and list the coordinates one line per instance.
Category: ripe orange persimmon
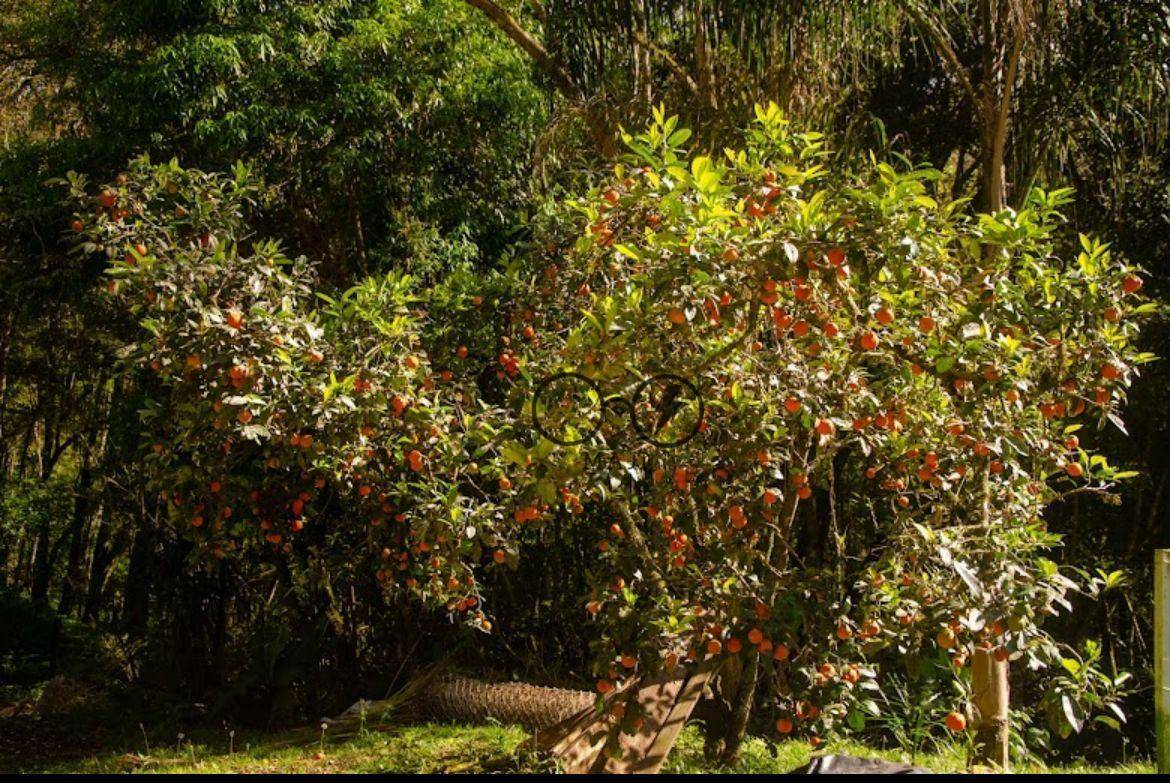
(956, 721)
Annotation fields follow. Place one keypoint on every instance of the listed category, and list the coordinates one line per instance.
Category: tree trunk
(989, 680)
(704, 63)
(726, 730)
(741, 711)
(80, 519)
(136, 603)
(42, 566)
(104, 554)
(475, 701)
(643, 72)
(5, 548)
(989, 677)
(83, 505)
(5, 342)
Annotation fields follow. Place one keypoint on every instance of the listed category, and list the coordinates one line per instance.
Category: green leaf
(856, 720)
(515, 453)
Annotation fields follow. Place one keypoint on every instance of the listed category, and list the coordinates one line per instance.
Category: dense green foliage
(384, 203)
(380, 121)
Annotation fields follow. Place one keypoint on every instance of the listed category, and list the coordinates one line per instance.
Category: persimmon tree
(282, 422)
(700, 350)
(841, 327)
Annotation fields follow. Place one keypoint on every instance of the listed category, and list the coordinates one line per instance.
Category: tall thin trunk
(643, 74)
(140, 571)
(104, 554)
(989, 683)
(359, 235)
(5, 551)
(989, 676)
(704, 64)
(5, 342)
(83, 506)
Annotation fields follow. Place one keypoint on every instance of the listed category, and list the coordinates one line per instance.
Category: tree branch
(944, 48)
(635, 535)
(1009, 81)
(540, 11)
(672, 64)
(534, 48)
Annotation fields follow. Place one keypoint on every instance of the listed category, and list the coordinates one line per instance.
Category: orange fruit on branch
(956, 721)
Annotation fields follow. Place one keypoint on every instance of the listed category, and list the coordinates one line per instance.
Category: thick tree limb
(635, 535)
(531, 46)
(539, 9)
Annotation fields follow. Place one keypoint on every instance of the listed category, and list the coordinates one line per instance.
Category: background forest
(429, 137)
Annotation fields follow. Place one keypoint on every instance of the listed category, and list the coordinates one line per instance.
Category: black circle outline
(617, 401)
(641, 387)
(548, 382)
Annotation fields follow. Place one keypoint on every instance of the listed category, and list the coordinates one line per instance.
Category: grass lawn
(441, 748)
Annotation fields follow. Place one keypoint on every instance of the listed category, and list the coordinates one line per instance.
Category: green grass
(452, 748)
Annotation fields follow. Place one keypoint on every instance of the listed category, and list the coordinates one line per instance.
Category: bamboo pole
(1162, 657)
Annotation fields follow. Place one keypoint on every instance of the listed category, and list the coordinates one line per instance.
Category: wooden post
(1162, 657)
(989, 685)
